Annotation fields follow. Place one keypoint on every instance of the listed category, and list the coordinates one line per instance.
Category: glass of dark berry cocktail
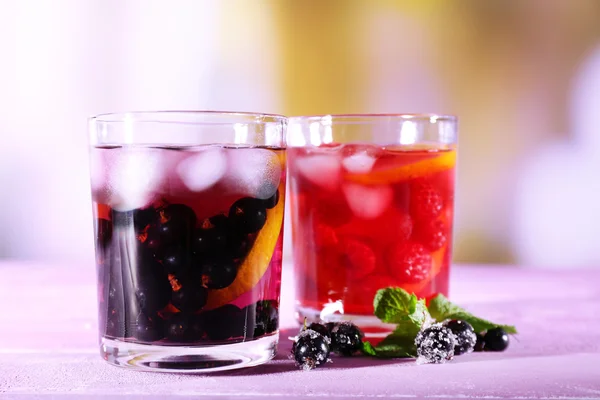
(188, 210)
(372, 206)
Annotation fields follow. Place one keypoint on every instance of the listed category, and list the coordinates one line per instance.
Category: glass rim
(425, 117)
(229, 116)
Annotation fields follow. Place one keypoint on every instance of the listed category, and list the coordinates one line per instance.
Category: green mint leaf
(419, 316)
(368, 349)
(401, 342)
(398, 344)
(442, 309)
(393, 305)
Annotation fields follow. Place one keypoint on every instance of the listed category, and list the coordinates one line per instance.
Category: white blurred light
(127, 128)
(315, 133)
(295, 135)
(408, 132)
(241, 133)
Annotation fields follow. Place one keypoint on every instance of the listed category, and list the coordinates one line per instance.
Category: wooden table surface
(48, 345)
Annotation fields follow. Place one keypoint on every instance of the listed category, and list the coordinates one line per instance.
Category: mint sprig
(397, 306)
(442, 309)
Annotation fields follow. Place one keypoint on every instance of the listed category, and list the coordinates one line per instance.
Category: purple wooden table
(48, 345)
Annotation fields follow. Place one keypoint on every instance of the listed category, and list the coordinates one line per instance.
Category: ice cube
(359, 160)
(134, 176)
(322, 170)
(253, 172)
(368, 202)
(203, 169)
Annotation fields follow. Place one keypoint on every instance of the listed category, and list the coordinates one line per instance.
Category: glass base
(189, 359)
(371, 326)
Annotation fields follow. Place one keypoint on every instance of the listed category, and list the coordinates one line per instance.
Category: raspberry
(409, 262)
(324, 236)
(393, 226)
(426, 202)
(432, 234)
(357, 259)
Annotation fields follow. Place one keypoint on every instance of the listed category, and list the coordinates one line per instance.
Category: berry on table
(330, 326)
(320, 328)
(346, 338)
(310, 349)
(496, 340)
(435, 344)
(464, 336)
(480, 344)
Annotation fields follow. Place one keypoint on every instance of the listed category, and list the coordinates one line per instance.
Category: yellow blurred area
(504, 67)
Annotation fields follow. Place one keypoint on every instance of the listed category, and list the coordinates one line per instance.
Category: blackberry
(464, 335)
(496, 340)
(480, 344)
(320, 328)
(435, 345)
(310, 349)
(346, 338)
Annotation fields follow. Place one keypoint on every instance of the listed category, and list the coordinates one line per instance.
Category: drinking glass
(372, 204)
(188, 217)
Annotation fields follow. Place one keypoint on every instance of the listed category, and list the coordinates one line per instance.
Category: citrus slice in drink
(380, 176)
(256, 262)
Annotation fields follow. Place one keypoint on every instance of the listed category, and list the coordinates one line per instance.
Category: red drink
(367, 217)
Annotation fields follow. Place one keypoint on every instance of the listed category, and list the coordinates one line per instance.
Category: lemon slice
(442, 162)
(256, 262)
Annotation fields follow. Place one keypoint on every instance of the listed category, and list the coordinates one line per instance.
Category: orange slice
(256, 263)
(444, 161)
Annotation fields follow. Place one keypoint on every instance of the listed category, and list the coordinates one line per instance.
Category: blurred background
(522, 75)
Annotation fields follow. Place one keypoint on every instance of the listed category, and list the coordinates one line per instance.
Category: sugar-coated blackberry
(435, 344)
(464, 335)
(310, 350)
(320, 328)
